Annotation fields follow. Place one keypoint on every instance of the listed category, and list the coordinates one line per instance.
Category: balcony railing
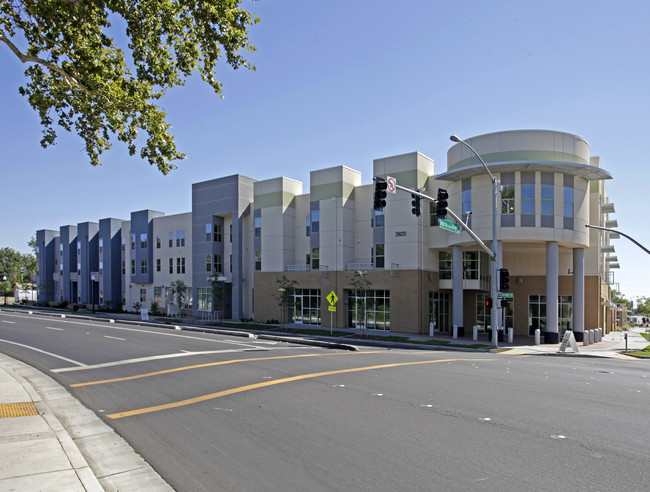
(360, 266)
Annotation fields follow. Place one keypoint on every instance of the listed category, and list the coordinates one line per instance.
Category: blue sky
(343, 82)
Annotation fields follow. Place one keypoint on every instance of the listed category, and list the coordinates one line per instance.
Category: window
(218, 233)
(568, 208)
(444, 265)
(143, 295)
(308, 225)
(123, 244)
(230, 233)
(258, 261)
(315, 221)
(61, 248)
(171, 265)
(379, 256)
(132, 267)
(180, 265)
(536, 314)
(208, 263)
(565, 314)
(157, 242)
(132, 241)
(101, 246)
(483, 314)
(158, 264)
(508, 199)
(143, 266)
(258, 226)
(527, 198)
(377, 218)
(208, 232)
(123, 267)
(180, 239)
(143, 241)
(101, 268)
(548, 200)
(433, 218)
(315, 258)
(230, 263)
(305, 306)
(171, 239)
(78, 246)
(218, 264)
(371, 306)
(470, 265)
(157, 295)
(78, 268)
(467, 201)
(204, 299)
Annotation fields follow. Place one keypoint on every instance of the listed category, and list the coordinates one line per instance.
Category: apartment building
(389, 269)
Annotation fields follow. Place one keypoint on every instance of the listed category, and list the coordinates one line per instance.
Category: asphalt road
(212, 412)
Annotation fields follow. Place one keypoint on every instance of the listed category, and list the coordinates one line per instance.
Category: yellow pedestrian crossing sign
(332, 298)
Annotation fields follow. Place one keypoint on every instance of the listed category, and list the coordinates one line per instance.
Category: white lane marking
(145, 359)
(52, 328)
(81, 364)
(157, 333)
(10, 322)
(114, 338)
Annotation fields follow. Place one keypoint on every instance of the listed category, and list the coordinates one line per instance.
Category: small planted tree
(178, 290)
(360, 283)
(286, 290)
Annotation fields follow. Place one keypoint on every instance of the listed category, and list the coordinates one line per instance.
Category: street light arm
(621, 233)
(457, 139)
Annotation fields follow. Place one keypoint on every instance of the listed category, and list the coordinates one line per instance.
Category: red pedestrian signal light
(488, 303)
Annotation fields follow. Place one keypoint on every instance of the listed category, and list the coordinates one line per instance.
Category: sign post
(332, 298)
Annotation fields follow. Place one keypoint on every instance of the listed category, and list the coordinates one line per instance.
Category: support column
(497, 300)
(457, 282)
(579, 293)
(551, 335)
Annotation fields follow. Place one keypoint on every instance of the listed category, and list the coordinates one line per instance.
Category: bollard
(511, 335)
(475, 333)
(432, 330)
(600, 334)
(537, 336)
(585, 338)
(592, 337)
(455, 332)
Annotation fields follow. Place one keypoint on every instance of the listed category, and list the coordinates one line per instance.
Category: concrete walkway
(50, 441)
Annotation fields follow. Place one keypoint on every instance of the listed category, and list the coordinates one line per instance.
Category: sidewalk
(50, 441)
(611, 345)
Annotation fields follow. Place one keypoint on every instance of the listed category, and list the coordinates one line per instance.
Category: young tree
(81, 79)
(360, 282)
(286, 290)
(178, 290)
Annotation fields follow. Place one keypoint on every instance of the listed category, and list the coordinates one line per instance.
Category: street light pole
(493, 269)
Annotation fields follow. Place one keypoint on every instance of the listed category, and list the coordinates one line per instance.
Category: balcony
(611, 224)
(607, 249)
(362, 265)
(297, 268)
(607, 208)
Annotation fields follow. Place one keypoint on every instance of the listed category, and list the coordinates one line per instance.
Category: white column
(552, 253)
(579, 293)
(497, 300)
(457, 275)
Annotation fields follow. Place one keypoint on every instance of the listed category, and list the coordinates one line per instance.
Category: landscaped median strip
(20, 409)
(300, 377)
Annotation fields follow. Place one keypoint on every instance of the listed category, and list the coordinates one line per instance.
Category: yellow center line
(241, 389)
(208, 364)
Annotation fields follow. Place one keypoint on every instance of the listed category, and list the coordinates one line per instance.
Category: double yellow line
(241, 389)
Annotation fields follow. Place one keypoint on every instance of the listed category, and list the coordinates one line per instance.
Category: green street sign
(448, 225)
(505, 295)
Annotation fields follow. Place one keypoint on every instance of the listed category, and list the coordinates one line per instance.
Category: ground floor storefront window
(204, 299)
(537, 314)
(505, 313)
(305, 307)
(371, 306)
(439, 309)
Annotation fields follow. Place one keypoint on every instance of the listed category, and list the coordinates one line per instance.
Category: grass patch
(646, 335)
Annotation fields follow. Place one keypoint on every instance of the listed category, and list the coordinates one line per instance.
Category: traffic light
(380, 193)
(504, 302)
(441, 204)
(417, 204)
(504, 280)
(488, 303)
